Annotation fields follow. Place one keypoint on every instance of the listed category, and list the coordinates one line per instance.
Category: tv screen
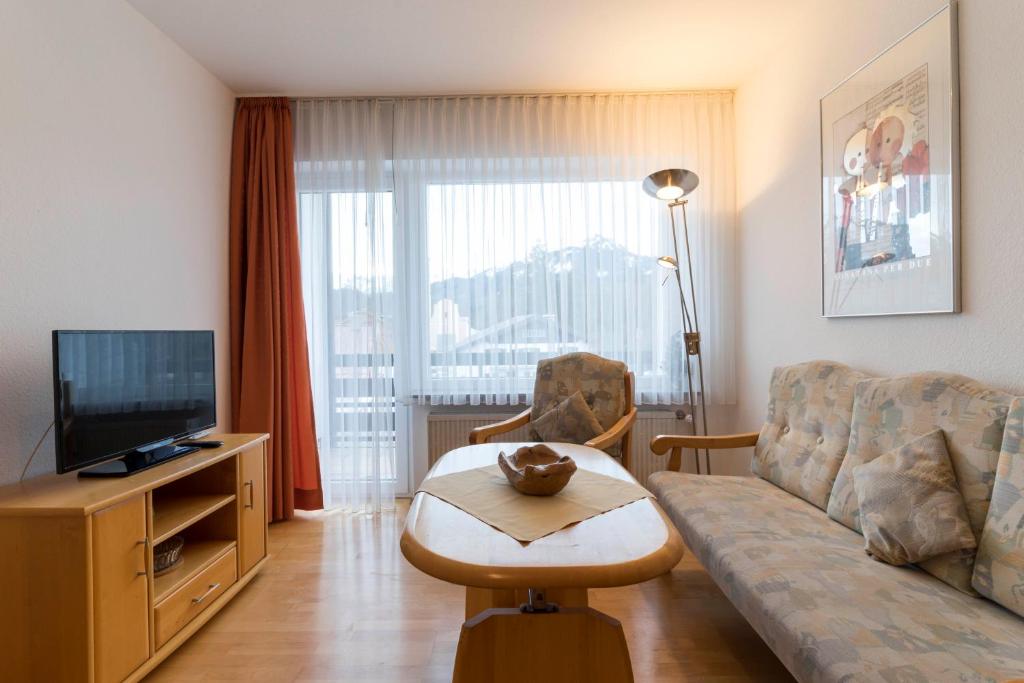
(117, 392)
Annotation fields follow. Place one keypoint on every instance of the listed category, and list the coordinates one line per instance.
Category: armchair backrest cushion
(805, 434)
(999, 569)
(889, 413)
(601, 381)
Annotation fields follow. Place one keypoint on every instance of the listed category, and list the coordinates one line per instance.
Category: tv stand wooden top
(67, 494)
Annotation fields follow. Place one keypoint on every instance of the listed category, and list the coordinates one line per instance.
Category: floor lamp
(672, 185)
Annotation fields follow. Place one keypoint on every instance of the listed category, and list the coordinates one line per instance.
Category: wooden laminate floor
(338, 602)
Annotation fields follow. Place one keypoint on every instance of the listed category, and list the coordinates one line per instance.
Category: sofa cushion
(829, 611)
(889, 413)
(999, 570)
(910, 507)
(571, 421)
(602, 382)
(804, 437)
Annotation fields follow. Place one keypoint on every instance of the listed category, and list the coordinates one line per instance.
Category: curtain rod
(396, 98)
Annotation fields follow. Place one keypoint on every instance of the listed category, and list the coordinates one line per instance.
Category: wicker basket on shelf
(167, 555)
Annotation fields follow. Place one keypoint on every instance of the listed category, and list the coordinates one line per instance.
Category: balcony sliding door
(346, 226)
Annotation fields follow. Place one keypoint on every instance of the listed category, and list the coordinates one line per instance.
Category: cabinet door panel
(252, 494)
(120, 589)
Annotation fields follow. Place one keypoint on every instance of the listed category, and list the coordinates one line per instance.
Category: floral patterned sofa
(785, 546)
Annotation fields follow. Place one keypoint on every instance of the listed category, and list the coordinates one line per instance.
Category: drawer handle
(251, 504)
(199, 600)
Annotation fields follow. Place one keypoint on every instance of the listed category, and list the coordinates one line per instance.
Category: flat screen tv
(124, 397)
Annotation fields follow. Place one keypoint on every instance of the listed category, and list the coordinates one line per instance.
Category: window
(448, 244)
(524, 271)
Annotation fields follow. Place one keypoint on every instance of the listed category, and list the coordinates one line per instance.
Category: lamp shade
(672, 183)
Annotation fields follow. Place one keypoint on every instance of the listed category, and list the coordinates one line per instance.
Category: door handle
(199, 600)
(144, 543)
(252, 502)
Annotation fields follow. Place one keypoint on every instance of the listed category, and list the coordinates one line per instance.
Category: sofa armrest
(482, 434)
(617, 431)
(677, 442)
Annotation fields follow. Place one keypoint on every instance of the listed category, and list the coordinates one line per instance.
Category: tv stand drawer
(187, 602)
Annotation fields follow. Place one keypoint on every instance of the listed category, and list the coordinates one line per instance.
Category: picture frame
(890, 181)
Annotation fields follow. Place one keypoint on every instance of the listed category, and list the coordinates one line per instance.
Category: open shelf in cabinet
(202, 508)
(172, 515)
(205, 541)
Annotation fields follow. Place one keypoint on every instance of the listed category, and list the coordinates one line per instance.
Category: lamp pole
(672, 185)
(691, 330)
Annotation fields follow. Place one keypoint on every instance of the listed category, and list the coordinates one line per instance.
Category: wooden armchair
(560, 377)
(676, 443)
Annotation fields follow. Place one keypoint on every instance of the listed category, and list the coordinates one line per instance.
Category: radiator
(643, 463)
(446, 432)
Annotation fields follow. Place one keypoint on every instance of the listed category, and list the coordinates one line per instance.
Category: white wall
(114, 159)
(777, 147)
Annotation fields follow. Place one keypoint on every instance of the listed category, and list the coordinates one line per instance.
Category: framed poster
(890, 180)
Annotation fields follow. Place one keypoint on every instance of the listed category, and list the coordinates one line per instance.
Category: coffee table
(527, 613)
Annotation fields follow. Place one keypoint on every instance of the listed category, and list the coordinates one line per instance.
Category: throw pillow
(890, 412)
(910, 506)
(570, 421)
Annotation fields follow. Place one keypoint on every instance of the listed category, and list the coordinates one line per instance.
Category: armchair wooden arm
(677, 442)
(482, 434)
(619, 431)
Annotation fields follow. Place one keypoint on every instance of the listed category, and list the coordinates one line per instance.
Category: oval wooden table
(527, 615)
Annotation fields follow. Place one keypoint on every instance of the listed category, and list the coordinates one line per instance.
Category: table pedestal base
(502, 643)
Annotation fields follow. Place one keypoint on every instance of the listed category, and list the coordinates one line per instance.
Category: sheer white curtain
(346, 226)
(449, 243)
(528, 236)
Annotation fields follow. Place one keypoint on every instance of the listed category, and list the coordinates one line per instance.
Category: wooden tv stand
(79, 599)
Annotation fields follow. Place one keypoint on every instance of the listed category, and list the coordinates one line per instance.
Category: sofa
(786, 546)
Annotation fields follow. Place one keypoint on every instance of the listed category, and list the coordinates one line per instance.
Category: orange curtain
(270, 385)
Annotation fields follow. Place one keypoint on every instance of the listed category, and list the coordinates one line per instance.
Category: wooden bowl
(537, 470)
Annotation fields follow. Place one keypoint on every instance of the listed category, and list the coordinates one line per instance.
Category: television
(122, 398)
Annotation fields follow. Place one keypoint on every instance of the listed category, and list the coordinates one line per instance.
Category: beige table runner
(486, 494)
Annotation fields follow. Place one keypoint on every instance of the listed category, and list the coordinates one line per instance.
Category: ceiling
(414, 47)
